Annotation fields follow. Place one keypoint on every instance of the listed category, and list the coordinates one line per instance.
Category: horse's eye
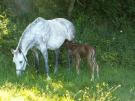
(20, 62)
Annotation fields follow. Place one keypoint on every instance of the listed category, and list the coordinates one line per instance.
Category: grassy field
(116, 83)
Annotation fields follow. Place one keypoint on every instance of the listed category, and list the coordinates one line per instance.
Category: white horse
(42, 34)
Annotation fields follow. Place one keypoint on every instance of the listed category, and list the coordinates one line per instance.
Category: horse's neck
(25, 44)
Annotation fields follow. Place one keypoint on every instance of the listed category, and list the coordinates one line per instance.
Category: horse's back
(54, 26)
(53, 32)
(64, 25)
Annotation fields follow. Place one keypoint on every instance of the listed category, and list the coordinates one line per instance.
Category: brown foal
(79, 51)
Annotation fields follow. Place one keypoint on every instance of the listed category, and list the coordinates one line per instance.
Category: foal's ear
(12, 51)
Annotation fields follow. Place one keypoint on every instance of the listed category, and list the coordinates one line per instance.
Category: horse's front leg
(45, 55)
(57, 52)
(35, 53)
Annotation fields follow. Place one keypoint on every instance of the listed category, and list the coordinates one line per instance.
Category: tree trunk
(70, 8)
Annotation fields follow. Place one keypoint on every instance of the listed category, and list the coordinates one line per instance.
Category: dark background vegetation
(108, 25)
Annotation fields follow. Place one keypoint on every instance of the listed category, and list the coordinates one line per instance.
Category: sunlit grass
(10, 92)
(13, 92)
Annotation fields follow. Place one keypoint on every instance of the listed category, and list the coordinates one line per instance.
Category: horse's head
(20, 61)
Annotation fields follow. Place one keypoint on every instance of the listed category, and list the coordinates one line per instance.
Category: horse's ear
(12, 51)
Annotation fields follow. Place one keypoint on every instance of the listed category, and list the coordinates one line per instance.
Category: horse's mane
(28, 29)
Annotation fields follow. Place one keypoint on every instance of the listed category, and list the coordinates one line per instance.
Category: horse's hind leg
(57, 52)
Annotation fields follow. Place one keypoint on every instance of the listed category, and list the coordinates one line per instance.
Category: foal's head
(20, 61)
(70, 44)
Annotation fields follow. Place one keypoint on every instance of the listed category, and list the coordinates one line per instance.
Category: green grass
(116, 83)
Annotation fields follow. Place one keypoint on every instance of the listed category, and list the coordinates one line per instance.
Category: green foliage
(50, 8)
(7, 28)
(108, 14)
(108, 25)
(3, 25)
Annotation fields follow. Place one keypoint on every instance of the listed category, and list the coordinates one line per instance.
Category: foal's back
(82, 49)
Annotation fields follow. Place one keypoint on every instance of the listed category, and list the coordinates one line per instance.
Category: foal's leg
(78, 63)
(57, 51)
(91, 65)
(95, 63)
(45, 55)
(92, 71)
(97, 69)
(69, 59)
(96, 66)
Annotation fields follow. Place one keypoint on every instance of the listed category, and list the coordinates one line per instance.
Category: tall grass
(116, 83)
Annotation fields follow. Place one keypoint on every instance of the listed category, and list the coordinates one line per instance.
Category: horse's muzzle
(19, 72)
